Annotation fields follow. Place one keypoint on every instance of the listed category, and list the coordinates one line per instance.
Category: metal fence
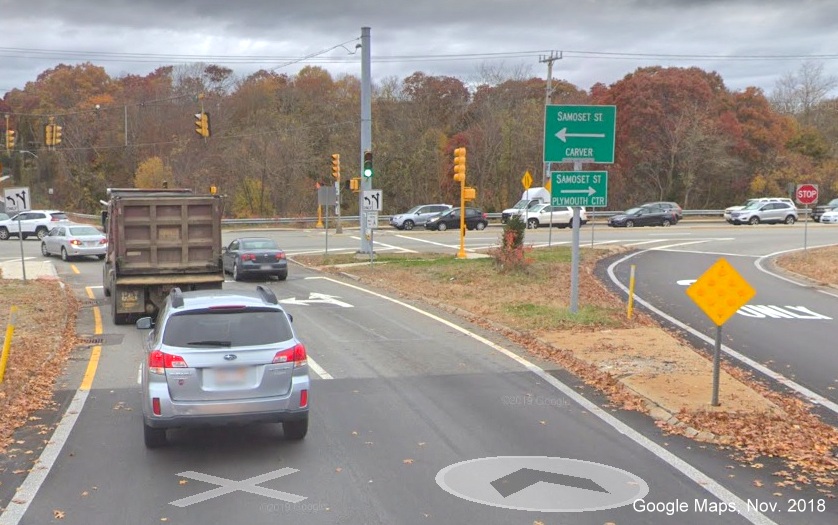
(708, 216)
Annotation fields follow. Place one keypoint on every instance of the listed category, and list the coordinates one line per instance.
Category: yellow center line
(93, 363)
(75, 270)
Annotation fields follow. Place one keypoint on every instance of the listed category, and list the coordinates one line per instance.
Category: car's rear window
(261, 244)
(248, 327)
(58, 216)
(85, 230)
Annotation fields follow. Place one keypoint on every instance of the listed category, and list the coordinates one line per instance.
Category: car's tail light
(485, 215)
(54, 219)
(248, 257)
(280, 256)
(155, 406)
(159, 361)
(304, 398)
(75, 242)
(103, 241)
(297, 354)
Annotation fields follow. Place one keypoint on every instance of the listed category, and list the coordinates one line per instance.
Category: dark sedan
(475, 220)
(644, 216)
(254, 256)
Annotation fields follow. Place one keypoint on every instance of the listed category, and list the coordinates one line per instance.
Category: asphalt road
(403, 393)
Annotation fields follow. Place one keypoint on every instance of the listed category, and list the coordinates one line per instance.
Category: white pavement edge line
(812, 396)
(319, 370)
(29, 488)
(698, 477)
(758, 264)
(452, 246)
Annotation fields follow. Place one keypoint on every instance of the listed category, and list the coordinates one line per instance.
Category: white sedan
(830, 217)
(74, 240)
(545, 214)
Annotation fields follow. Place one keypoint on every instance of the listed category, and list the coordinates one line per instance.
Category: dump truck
(159, 239)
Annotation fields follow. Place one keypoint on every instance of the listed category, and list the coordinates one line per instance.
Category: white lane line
(403, 250)
(723, 254)
(29, 488)
(318, 369)
(645, 242)
(453, 247)
(814, 397)
(698, 477)
(758, 263)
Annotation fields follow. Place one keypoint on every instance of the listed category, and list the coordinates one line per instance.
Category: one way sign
(16, 199)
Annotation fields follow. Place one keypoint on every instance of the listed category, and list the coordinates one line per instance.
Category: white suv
(731, 209)
(768, 212)
(31, 222)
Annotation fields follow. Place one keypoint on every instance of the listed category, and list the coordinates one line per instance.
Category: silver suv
(218, 357)
(769, 212)
(417, 216)
(731, 209)
(32, 222)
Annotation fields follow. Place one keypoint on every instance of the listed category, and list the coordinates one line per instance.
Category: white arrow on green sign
(579, 133)
(579, 188)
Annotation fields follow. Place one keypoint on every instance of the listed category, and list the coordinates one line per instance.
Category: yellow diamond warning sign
(720, 291)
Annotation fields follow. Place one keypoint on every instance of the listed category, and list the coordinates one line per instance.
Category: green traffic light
(368, 172)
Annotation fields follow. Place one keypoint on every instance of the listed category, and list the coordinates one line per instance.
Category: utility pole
(547, 96)
(366, 137)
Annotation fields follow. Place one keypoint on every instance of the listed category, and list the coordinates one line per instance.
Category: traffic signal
(213, 189)
(368, 164)
(202, 124)
(336, 166)
(56, 135)
(10, 139)
(355, 184)
(48, 136)
(469, 194)
(460, 165)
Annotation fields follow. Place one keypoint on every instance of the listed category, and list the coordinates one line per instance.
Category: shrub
(512, 254)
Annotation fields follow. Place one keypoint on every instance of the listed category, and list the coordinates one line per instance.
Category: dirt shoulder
(637, 363)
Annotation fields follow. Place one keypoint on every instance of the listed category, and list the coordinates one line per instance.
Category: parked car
(254, 256)
(644, 216)
(417, 216)
(475, 220)
(74, 240)
(545, 214)
(32, 222)
(830, 217)
(4, 217)
(768, 212)
(667, 205)
(730, 209)
(218, 357)
(818, 211)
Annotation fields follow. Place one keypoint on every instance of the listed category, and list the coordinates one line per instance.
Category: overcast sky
(749, 43)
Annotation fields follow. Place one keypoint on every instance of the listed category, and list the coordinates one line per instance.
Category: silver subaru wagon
(217, 357)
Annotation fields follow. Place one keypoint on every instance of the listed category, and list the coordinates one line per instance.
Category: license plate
(230, 376)
(90, 243)
(266, 266)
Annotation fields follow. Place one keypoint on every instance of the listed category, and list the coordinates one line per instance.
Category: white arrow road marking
(590, 191)
(316, 298)
(563, 134)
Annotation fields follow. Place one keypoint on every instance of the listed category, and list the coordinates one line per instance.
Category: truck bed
(166, 234)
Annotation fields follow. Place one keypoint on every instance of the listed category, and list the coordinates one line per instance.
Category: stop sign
(806, 193)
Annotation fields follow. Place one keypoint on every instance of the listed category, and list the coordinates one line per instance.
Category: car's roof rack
(267, 294)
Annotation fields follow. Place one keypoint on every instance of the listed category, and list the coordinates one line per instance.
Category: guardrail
(383, 220)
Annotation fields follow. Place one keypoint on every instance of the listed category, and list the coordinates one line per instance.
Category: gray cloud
(214, 29)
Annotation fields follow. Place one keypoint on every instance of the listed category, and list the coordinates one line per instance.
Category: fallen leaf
(58, 514)
(354, 433)
(338, 469)
(407, 461)
(183, 482)
(421, 443)
(757, 483)
(85, 493)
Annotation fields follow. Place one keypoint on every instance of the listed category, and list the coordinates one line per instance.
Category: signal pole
(547, 95)
(366, 137)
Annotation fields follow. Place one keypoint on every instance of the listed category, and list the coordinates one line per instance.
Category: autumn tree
(152, 173)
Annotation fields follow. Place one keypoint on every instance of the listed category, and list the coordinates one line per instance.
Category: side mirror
(223, 249)
(290, 317)
(144, 323)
